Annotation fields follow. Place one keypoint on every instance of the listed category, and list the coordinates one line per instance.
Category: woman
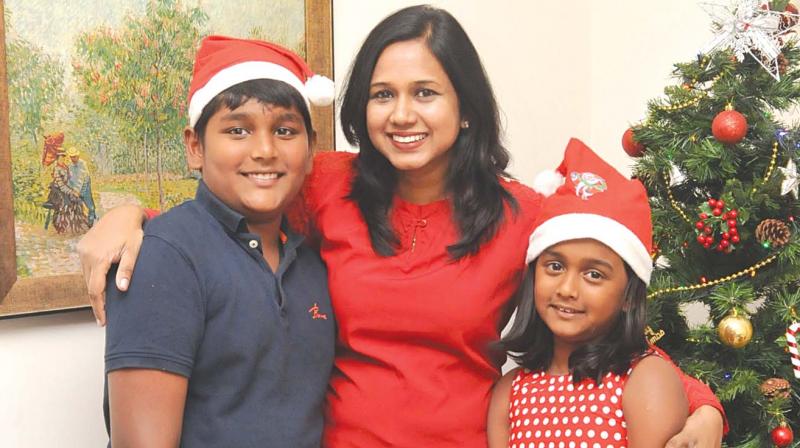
(424, 239)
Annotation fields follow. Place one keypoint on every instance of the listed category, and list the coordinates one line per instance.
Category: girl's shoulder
(520, 191)
(330, 176)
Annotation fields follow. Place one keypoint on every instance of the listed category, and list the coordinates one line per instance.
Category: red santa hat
(223, 62)
(587, 198)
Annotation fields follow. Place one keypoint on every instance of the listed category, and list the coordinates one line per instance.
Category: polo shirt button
(253, 244)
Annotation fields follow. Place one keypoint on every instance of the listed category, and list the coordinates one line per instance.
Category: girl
(423, 237)
(588, 377)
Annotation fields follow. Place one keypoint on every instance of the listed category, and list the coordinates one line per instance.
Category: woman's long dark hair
(477, 157)
(530, 341)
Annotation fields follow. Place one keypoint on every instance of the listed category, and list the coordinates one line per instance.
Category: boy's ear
(312, 148)
(194, 149)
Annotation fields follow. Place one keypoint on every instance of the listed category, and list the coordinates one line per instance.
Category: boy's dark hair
(265, 91)
(477, 157)
(530, 341)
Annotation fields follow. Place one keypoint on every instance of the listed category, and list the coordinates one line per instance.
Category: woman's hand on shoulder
(497, 427)
(654, 403)
(703, 429)
(115, 238)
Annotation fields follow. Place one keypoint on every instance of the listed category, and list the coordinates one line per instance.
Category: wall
(585, 69)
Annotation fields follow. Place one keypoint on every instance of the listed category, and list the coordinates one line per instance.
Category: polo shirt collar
(234, 222)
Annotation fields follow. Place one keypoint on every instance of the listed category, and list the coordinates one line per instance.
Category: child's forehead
(258, 106)
(583, 248)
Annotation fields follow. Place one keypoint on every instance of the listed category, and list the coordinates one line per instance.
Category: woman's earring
(464, 124)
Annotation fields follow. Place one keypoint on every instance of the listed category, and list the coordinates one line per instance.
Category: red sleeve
(150, 213)
(698, 393)
(330, 170)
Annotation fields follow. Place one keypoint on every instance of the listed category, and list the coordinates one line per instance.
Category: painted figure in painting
(64, 204)
(81, 182)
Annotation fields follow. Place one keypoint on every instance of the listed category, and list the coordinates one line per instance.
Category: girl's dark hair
(477, 157)
(265, 91)
(530, 341)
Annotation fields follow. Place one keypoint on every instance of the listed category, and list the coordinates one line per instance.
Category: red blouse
(414, 362)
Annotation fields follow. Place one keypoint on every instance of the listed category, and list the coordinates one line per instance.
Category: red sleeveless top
(549, 411)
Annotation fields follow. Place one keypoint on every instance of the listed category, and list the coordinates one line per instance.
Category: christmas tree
(720, 167)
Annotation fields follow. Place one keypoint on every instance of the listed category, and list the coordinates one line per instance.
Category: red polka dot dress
(549, 411)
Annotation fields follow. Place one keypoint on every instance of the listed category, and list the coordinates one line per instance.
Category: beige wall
(583, 69)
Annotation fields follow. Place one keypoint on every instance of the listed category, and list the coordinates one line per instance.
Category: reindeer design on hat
(587, 184)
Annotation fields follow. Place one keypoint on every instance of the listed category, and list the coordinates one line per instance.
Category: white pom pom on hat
(320, 90)
(547, 182)
(223, 62)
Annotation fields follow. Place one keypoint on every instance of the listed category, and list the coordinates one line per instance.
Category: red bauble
(782, 435)
(729, 127)
(630, 145)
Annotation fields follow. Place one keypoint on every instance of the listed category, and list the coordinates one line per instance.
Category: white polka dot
(578, 432)
(524, 401)
(623, 424)
(528, 434)
(606, 409)
(551, 445)
(562, 410)
(557, 434)
(618, 413)
(582, 408)
(534, 410)
(581, 398)
(572, 399)
(516, 402)
(598, 421)
(604, 435)
(538, 434)
(551, 388)
(518, 423)
(584, 445)
(575, 419)
(593, 408)
(544, 410)
(524, 390)
(614, 399)
(552, 380)
(586, 420)
(591, 397)
(527, 422)
(547, 433)
(541, 445)
(516, 412)
(570, 387)
(580, 386)
(567, 432)
(541, 400)
(609, 384)
(552, 399)
(596, 445)
(602, 397)
(519, 435)
(536, 423)
(571, 444)
(572, 409)
(612, 422)
(561, 444)
(545, 421)
(590, 433)
(590, 386)
(560, 388)
(617, 436)
(524, 411)
(562, 399)
(618, 392)
(553, 410)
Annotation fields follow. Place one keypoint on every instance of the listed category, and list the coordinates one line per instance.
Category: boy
(225, 336)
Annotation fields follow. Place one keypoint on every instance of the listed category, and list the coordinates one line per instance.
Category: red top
(549, 410)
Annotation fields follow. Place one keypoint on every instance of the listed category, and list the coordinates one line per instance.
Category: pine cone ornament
(783, 64)
(775, 388)
(773, 231)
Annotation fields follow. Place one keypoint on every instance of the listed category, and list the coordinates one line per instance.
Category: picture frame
(46, 294)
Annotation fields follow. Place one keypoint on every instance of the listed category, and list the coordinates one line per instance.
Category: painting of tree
(96, 99)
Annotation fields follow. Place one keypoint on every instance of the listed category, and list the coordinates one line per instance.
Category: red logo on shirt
(315, 314)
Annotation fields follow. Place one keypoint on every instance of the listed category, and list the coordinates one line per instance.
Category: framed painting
(92, 103)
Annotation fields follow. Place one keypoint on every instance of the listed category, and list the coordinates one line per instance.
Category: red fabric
(549, 410)
(219, 52)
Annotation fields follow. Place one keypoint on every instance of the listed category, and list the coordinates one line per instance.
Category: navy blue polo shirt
(256, 346)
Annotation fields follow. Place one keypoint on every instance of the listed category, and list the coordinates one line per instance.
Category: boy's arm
(497, 425)
(653, 403)
(153, 334)
(146, 408)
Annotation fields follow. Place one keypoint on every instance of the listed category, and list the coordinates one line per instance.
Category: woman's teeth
(408, 138)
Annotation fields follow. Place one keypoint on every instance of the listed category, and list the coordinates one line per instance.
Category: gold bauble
(735, 331)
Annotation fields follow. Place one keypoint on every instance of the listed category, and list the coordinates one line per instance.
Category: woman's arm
(146, 408)
(497, 429)
(115, 238)
(654, 404)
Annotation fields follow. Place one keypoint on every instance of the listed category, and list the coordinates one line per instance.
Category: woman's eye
(424, 93)
(381, 95)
